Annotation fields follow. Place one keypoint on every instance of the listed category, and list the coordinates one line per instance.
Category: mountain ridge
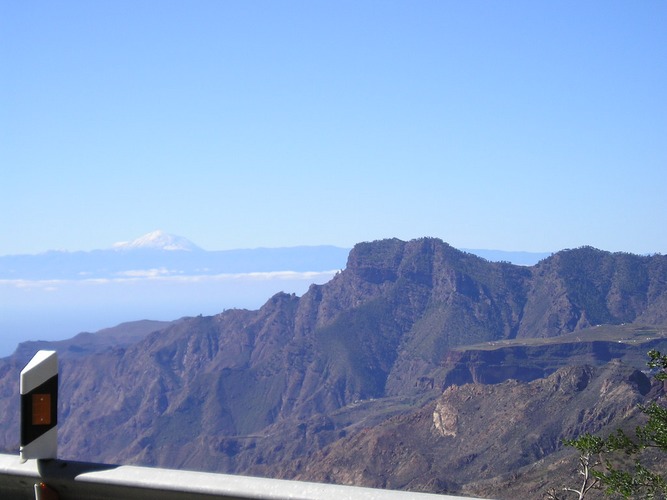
(160, 243)
(372, 343)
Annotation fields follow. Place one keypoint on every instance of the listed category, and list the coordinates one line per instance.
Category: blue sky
(510, 125)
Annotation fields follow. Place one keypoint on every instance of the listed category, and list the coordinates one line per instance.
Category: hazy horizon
(117, 245)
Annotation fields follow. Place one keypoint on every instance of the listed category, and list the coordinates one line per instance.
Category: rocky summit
(418, 366)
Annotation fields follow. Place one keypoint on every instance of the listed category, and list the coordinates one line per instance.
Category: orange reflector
(44, 492)
(41, 409)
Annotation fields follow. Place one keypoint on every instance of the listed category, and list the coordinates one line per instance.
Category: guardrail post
(39, 407)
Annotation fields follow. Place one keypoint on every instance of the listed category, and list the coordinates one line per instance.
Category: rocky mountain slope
(475, 431)
(261, 391)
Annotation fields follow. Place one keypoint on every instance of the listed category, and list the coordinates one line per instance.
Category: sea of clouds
(59, 309)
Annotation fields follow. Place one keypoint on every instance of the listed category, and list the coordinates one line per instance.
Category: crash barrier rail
(65, 480)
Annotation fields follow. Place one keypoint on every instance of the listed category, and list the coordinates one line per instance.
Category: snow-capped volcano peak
(158, 240)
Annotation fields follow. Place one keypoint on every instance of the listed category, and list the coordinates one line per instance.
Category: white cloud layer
(172, 276)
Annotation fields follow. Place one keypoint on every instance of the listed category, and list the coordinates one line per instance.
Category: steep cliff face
(527, 363)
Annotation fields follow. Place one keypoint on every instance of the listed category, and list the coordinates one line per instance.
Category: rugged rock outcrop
(475, 431)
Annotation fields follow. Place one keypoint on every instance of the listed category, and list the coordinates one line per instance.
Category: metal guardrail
(89, 481)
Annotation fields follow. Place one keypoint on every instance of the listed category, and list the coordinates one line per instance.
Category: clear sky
(507, 125)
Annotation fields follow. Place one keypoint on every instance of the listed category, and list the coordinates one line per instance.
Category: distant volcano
(158, 240)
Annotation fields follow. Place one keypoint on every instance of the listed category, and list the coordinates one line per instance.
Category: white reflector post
(39, 407)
